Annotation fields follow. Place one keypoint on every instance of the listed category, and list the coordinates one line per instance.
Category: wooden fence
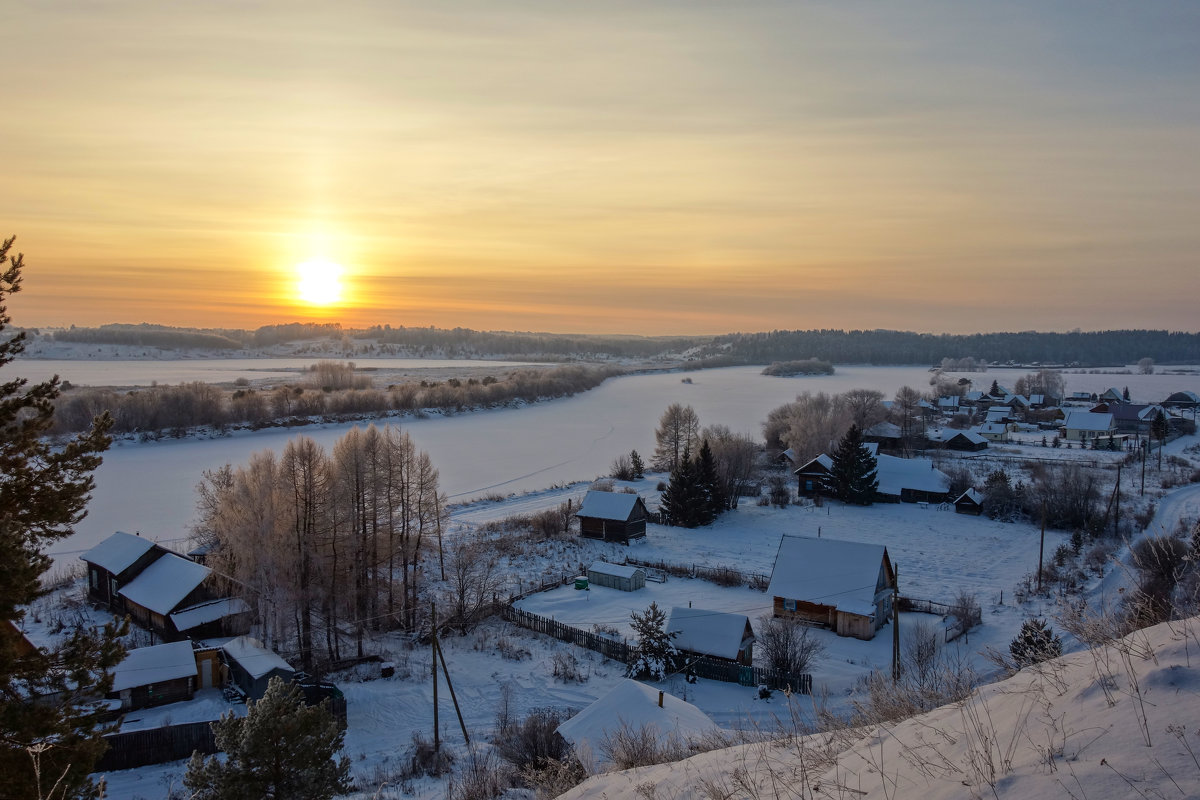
(942, 610)
(701, 667)
(722, 576)
(156, 745)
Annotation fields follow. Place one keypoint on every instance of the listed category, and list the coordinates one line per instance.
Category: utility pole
(438, 646)
(437, 743)
(1042, 546)
(895, 623)
(1117, 501)
(1142, 493)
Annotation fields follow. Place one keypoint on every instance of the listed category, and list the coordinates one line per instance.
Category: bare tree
(678, 430)
(735, 458)
(474, 579)
(1146, 366)
(787, 645)
(865, 407)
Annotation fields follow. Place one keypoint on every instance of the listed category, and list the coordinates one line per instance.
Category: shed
(152, 676)
(168, 584)
(716, 634)
(616, 576)
(612, 516)
(635, 706)
(969, 502)
(115, 562)
(252, 665)
(844, 586)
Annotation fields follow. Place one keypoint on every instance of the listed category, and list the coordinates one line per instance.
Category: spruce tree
(282, 749)
(46, 746)
(637, 465)
(683, 500)
(1034, 643)
(853, 478)
(709, 485)
(655, 655)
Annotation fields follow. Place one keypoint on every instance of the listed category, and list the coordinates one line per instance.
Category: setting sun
(319, 282)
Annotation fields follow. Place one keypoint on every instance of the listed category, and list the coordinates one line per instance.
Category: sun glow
(319, 282)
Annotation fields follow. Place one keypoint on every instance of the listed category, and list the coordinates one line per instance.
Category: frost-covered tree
(1034, 643)
(853, 478)
(282, 749)
(655, 655)
(678, 429)
(49, 737)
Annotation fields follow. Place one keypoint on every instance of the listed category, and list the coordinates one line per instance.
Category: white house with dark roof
(1085, 425)
(844, 586)
(717, 634)
(612, 516)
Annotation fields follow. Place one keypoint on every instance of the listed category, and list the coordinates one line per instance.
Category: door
(206, 674)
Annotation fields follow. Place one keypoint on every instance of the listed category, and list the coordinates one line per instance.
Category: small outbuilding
(844, 586)
(969, 502)
(716, 634)
(252, 665)
(616, 576)
(153, 676)
(639, 708)
(612, 516)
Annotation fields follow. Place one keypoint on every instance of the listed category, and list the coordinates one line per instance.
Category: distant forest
(1098, 348)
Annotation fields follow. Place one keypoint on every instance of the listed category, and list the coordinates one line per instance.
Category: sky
(623, 167)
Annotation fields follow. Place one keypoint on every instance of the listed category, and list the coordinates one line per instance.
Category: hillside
(1118, 721)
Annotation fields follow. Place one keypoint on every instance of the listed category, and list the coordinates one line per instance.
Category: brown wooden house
(168, 585)
(153, 676)
(813, 475)
(969, 502)
(612, 516)
(844, 586)
(113, 563)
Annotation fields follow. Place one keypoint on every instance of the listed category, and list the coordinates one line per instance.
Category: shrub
(533, 741)
(1034, 643)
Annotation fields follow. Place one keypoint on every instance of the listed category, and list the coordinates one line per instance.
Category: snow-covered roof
(972, 495)
(146, 665)
(254, 657)
(713, 633)
(994, 428)
(973, 397)
(1088, 421)
(821, 460)
(948, 402)
(607, 505)
(997, 416)
(163, 585)
(870, 447)
(790, 455)
(118, 552)
(633, 705)
(1183, 397)
(970, 436)
(1037, 399)
(884, 430)
(616, 570)
(828, 571)
(187, 618)
(918, 474)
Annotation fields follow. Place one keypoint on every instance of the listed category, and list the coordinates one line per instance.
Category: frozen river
(150, 487)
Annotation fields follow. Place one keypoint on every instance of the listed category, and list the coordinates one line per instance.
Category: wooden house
(952, 439)
(844, 586)
(251, 666)
(813, 475)
(992, 431)
(169, 584)
(113, 563)
(616, 576)
(153, 676)
(612, 516)
(715, 634)
(910, 480)
(1084, 425)
(969, 502)
(886, 435)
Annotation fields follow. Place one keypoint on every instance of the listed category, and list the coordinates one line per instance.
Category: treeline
(809, 366)
(145, 335)
(464, 341)
(905, 347)
(178, 408)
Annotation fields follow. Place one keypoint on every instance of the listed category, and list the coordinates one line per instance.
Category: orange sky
(639, 167)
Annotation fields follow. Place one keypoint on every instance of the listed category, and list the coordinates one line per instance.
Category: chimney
(660, 698)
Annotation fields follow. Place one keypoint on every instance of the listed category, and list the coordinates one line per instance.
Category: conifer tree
(682, 498)
(1034, 643)
(709, 486)
(46, 747)
(637, 465)
(655, 654)
(281, 749)
(853, 478)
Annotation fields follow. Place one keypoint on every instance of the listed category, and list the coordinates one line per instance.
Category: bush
(533, 741)
(787, 645)
(1034, 643)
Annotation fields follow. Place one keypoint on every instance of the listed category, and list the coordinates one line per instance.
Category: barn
(616, 576)
(969, 502)
(716, 634)
(844, 586)
(612, 516)
(153, 676)
(113, 563)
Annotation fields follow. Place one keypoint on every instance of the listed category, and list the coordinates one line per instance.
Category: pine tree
(1034, 643)
(637, 465)
(43, 493)
(281, 749)
(712, 495)
(994, 390)
(853, 478)
(682, 500)
(655, 655)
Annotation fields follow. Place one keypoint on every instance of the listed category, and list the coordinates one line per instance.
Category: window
(789, 605)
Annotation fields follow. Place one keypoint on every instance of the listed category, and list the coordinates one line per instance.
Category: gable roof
(828, 571)
(884, 430)
(712, 633)
(972, 495)
(919, 474)
(1088, 421)
(607, 505)
(254, 657)
(823, 461)
(163, 585)
(994, 428)
(633, 705)
(197, 615)
(146, 665)
(970, 436)
(118, 552)
(616, 570)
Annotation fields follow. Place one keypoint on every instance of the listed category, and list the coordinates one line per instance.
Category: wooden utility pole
(895, 623)
(1142, 493)
(1042, 546)
(437, 645)
(1117, 502)
(437, 743)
